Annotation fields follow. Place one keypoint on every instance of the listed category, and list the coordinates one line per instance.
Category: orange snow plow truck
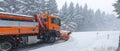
(18, 30)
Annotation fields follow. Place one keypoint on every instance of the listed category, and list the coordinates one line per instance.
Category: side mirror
(60, 22)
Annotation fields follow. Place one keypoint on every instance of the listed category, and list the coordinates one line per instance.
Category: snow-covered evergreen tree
(69, 20)
(52, 5)
(21, 6)
(63, 13)
(117, 7)
(9, 6)
(77, 19)
(29, 7)
(42, 5)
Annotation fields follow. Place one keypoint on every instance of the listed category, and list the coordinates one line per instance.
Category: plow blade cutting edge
(65, 35)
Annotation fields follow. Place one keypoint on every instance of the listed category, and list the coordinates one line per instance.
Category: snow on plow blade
(65, 35)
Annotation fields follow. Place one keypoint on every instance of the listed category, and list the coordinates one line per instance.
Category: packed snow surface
(86, 41)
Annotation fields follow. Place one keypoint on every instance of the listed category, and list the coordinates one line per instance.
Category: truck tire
(57, 34)
(6, 46)
(50, 39)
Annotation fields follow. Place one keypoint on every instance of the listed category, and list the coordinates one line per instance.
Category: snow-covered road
(85, 41)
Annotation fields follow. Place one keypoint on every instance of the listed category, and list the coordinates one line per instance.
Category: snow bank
(87, 41)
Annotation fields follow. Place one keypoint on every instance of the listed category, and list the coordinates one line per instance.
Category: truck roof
(15, 14)
(17, 17)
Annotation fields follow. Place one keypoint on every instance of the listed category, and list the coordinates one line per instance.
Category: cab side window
(56, 21)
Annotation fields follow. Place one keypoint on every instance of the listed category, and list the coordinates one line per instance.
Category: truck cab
(51, 22)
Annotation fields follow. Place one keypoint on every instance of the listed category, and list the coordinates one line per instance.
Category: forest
(74, 17)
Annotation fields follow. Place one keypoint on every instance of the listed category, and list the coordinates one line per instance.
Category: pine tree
(29, 7)
(53, 7)
(85, 11)
(21, 6)
(69, 20)
(70, 12)
(117, 7)
(98, 13)
(63, 12)
(67, 16)
(78, 19)
(42, 5)
(9, 6)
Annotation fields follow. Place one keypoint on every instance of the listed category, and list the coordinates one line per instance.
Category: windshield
(56, 21)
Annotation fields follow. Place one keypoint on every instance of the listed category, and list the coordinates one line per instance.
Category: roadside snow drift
(86, 41)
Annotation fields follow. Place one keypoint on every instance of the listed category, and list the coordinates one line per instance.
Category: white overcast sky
(104, 5)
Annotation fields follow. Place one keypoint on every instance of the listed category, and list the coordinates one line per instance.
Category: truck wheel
(5, 46)
(50, 39)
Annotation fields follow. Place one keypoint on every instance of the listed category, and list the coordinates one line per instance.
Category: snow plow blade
(65, 35)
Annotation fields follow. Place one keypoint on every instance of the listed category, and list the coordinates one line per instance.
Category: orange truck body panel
(18, 30)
